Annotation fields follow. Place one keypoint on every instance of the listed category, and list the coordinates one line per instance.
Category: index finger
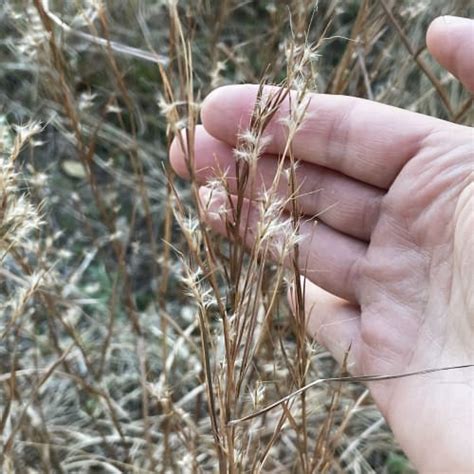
(365, 140)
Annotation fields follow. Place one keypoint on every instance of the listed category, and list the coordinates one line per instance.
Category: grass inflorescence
(133, 338)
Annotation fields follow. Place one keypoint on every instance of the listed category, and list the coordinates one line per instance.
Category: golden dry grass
(131, 336)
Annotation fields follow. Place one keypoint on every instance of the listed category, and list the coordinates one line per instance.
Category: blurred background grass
(97, 276)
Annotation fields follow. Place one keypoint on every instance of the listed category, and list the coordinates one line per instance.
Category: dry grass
(131, 336)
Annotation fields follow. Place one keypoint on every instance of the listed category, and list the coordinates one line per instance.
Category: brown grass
(133, 339)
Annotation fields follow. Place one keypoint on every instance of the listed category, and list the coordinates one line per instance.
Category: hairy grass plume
(133, 339)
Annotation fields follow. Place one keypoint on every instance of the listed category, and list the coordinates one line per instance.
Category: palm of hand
(395, 249)
(417, 306)
(415, 273)
(389, 268)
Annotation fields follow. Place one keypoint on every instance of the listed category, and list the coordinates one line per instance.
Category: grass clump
(132, 336)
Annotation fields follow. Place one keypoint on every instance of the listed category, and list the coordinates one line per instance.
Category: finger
(332, 321)
(343, 203)
(450, 40)
(364, 140)
(208, 152)
(327, 257)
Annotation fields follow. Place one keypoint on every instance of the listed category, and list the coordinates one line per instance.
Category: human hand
(389, 266)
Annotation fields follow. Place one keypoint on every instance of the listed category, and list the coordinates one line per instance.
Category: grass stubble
(133, 339)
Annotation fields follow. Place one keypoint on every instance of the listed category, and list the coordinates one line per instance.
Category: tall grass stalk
(133, 338)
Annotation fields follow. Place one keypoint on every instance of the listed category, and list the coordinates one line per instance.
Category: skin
(389, 266)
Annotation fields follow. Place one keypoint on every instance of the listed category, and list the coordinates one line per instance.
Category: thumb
(450, 40)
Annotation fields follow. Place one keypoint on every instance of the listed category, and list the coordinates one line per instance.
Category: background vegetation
(112, 324)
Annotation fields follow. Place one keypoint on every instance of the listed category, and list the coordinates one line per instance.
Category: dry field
(130, 335)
